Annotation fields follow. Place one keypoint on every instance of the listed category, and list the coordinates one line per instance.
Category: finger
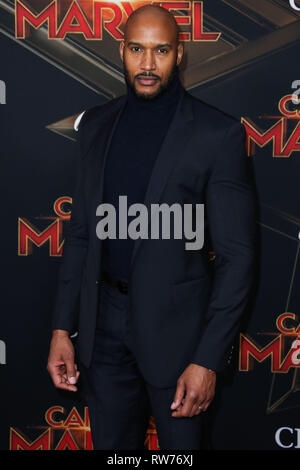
(71, 371)
(60, 382)
(65, 386)
(180, 389)
(180, 406)
(57, 379)
(205, 405)
(77, 375)
(189, 401)
(196, 410)
(57, 371)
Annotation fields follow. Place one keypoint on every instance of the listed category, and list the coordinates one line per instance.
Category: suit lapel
(172, 149)
(100, 148)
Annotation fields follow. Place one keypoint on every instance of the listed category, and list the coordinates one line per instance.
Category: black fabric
(119, 399)
(174, 292)
(132, 154)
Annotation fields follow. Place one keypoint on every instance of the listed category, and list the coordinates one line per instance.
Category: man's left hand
(195, 387)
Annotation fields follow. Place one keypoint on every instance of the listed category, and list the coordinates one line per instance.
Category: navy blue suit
(183, 308)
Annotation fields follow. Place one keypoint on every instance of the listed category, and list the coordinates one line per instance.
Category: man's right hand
(61, 365)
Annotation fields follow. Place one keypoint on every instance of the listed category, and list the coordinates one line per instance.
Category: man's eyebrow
(132, 43)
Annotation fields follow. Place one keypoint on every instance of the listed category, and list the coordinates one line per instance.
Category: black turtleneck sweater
(132, 153)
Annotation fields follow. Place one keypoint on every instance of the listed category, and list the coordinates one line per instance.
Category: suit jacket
(183, 307)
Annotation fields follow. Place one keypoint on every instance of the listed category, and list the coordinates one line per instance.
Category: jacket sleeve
(230, 205)
(66, 306)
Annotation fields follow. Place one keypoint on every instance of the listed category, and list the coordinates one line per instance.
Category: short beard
(161, 89)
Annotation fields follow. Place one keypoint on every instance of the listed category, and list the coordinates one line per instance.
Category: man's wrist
(57, 333)
(204, 367)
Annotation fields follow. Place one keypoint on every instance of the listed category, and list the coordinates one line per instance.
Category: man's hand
(198, 385)
(61, 364)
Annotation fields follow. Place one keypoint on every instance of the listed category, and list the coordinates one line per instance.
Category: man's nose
(148, 61)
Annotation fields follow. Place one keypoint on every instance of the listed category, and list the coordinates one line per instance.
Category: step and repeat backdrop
(61, 57)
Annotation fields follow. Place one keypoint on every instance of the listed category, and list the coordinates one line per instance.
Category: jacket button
(97, 282)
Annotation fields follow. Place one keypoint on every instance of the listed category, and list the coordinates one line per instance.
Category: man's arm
(230, 208)
(61, 365)
(74, 253)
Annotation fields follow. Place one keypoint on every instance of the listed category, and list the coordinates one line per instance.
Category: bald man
(156, 321)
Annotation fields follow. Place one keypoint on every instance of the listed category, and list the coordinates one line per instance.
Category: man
(156, 321)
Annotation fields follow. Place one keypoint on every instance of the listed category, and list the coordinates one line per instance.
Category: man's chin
(149, 95)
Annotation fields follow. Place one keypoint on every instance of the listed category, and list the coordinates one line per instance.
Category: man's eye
(163, 51)
(135, 48)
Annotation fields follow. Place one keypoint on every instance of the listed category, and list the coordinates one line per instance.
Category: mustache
(148, 75)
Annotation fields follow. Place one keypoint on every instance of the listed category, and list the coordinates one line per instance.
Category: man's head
(150, 51)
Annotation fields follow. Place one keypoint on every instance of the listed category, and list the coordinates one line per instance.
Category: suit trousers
(120, 400)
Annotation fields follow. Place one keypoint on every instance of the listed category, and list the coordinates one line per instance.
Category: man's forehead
(149, 36)
(149, 24)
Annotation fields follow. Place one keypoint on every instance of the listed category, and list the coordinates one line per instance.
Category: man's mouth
(147, 81)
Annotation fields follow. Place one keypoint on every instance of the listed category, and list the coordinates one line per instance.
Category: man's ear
(121, 49)
(179, 53)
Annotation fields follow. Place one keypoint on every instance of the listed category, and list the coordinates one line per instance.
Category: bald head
(150, 50)
(152, 12)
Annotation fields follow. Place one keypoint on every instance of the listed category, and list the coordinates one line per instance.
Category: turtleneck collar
(169, 96)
